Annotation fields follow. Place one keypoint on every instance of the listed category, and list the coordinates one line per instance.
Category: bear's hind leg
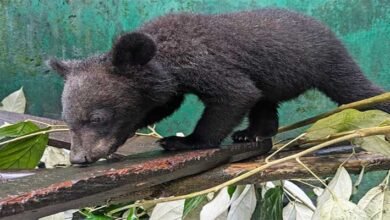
(263, 123)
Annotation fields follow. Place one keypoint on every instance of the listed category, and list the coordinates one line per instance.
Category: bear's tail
(345, 83)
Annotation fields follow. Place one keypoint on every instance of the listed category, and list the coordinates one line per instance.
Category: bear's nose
(79, 158)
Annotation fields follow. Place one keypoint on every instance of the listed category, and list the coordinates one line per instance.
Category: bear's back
(273, 47)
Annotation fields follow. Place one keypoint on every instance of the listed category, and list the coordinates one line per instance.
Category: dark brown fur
(235, 63)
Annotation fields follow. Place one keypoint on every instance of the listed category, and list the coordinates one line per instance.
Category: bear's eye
(100, 117)
(97, 119)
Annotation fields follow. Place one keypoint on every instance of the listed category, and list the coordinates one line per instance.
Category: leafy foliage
(349, 120)
(346, 120)
(131, 214)
(16, 130)
(272, 204)
(24, 153)
(192, 203)
(97, 217)
(231, 190)
(100, 212)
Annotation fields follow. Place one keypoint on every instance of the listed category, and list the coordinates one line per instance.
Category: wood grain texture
(50, 191)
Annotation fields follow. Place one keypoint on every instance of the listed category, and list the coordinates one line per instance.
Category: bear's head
(106, 97)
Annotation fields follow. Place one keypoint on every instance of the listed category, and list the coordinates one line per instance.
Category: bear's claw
(173, 143)
(244, 136)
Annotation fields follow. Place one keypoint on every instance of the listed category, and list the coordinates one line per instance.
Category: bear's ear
(61, 67)
(133, 49)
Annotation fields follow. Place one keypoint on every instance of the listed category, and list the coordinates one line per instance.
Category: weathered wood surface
(323, 166)
(152, 175)
(50, 191)
(57, 139)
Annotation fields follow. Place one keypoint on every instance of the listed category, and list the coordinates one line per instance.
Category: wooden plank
(50, 191)
(57, 139)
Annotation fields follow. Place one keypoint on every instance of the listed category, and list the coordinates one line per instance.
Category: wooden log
(323, 166)
(154, 178)
(50, 191)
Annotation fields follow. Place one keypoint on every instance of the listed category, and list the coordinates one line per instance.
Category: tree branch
(323, 166)
(365, 132)
(362, 104)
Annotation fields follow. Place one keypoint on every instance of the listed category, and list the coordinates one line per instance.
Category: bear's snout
(79, 158)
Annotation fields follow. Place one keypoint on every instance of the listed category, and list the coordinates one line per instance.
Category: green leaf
(90, 214)
(271, 208)
(231, 190)
(18, 129)
(131, 214)
(385, 123)
(347, 120)
(352, 119)
(97, 217)
(257, 213)
(24, 153)
(192, 203)
(15, 102)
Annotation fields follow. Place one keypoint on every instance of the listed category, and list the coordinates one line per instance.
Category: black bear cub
(237, 64)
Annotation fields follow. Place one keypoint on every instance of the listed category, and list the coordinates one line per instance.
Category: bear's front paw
(175, 143)
(243, 136)
(247, 136)
(185, 143)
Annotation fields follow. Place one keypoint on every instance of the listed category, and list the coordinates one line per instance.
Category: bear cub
(238, 64)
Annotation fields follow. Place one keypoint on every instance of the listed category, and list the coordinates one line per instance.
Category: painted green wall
(33, 30)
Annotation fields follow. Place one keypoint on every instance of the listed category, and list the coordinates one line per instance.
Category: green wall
(33, 30)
